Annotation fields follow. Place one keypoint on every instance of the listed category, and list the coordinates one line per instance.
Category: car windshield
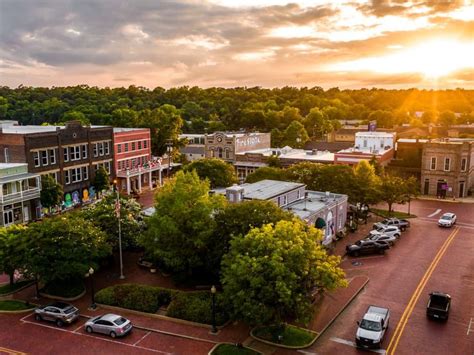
(446, 218)
(69, 309)
(370, 325)
(120, 321)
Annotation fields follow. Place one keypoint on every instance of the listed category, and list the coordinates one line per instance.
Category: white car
(379, 237)
(391, 231)
(447, 220)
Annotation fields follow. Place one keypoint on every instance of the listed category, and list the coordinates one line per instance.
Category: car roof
(60, 305)
(110, 317)
(449, 214)
(373, 317)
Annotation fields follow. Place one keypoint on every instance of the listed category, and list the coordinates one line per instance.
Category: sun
(433, 59)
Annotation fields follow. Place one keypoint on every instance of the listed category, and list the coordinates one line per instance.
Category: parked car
(380, 237)
(402, 224)
(447, 220)
(372, 327)
(59, 312)
(367, 247)
(438, 306)
(388, 230)
(110, 324)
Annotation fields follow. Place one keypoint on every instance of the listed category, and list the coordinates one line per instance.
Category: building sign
(248, 141)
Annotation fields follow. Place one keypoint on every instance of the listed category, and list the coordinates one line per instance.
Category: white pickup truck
(372, 328)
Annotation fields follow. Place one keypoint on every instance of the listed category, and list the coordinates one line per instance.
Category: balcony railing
(20, 196)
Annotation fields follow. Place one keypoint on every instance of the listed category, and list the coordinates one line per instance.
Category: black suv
(367, 247)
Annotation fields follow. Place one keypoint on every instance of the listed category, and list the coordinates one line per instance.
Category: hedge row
(192, 306)
(142, 298)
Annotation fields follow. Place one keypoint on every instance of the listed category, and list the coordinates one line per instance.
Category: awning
(320, 223)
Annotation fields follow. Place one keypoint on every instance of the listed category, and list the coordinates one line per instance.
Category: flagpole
(120, 235)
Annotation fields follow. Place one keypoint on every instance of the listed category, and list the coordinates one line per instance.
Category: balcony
(17, 197)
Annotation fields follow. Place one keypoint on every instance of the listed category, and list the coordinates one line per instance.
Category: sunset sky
(269, 43)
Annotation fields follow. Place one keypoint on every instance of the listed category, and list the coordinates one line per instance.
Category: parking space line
(94, 337)
(143, 337)
(10, 351)
(79, 327)
(351, 343)
(471, 321)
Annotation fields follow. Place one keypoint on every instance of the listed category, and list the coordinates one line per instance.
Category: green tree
(236, 219)
(64, 248)
(179, 232)
(51, 192)
(379, 170)
(218, 172)
(12, 250)
(74, 116)
(103, 215)
(447, 118)
(295, 135)
(429, 116)
(367, 183)
(101, 180)
(268, 275)
(274, 162)
(317, 123)
(266, 173)
(393, 189)
(3, 107)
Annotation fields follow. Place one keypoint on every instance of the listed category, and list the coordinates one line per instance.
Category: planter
(17, 290)
(59, 298)
(302, 346)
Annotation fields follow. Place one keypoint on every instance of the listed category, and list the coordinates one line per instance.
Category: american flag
(117, 208)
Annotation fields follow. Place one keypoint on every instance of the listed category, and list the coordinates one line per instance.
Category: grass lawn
(397, 214)
(290, 335)
(8, 289)
(229, 349)
(14, 305)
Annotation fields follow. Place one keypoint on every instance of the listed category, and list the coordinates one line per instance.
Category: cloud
(191, 42)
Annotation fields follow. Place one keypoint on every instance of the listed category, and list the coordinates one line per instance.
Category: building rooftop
(35, 129)
(120, 129)
(375, 134)
(368, 151)
(296, 154)
(313, 202)
(11, 165)
(267, 189)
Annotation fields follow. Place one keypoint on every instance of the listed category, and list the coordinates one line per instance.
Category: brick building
(447, 168)
(71, 154)
(134, 166)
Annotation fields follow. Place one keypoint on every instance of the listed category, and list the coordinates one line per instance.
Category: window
(119, 148)
(133, 163)
(75, 152)
(101, 148)
(447, 164)
(139, 144)
(145, 144)
(67, 177)
(107, 167)
(36, 158)
(95, 152)
(7, 156)
(52, 156)
(85, 172)
(126, 146)
(107, 148)
(463, 164)
(7, 217)
(84, 151)
(381, 144)
(76, 175)
(227, 154)
(44, 157)
(365, 143)
(133, 146)
(433, 163)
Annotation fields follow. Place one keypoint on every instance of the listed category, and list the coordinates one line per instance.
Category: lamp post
(117, 212)
(89, 274)
(213, 293)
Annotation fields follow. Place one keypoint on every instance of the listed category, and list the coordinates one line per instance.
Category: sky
(229, 43)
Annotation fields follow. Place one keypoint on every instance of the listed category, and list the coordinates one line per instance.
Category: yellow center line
(416, 295)
(10, 351)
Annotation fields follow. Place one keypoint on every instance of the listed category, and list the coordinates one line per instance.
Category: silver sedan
(110, 324)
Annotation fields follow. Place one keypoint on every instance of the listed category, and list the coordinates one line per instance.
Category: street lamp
(117, 212)
(89, 274)
(213, 293)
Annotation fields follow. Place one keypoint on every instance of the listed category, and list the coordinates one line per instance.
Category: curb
(343, 308)
(159, 316)
(218, 344)
(316, 336)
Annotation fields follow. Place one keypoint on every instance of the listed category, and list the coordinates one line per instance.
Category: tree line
(167, 112)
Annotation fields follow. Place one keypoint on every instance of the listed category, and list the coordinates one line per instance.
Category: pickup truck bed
(438, 306)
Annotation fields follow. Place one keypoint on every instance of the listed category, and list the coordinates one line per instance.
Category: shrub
(137, 297)
(64, 288)
(197, 307)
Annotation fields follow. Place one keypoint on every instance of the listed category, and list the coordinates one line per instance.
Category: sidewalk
(447, 199)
